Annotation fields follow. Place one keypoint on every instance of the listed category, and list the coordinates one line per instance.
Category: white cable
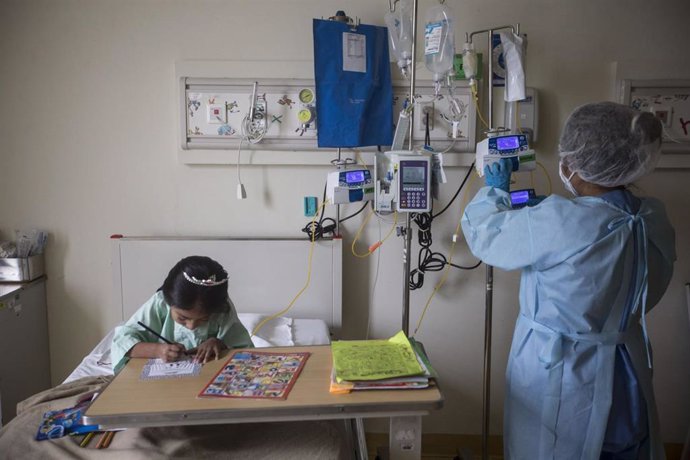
(241, 192)
(239, 153)
(252, 136)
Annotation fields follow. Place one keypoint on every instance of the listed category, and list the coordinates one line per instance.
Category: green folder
(374, 359)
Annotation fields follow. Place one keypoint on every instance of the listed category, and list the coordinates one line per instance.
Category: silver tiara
(211, 281)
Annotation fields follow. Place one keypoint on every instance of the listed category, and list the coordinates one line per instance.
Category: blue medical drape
(353, 107)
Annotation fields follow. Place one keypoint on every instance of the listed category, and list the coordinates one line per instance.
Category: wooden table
(130, 402)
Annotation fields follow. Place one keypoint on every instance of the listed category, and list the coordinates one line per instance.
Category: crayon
(85, 442)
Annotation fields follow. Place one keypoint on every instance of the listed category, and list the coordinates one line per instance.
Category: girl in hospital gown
(192, 310)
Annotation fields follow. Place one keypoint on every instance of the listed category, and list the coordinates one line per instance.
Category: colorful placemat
(256, 374)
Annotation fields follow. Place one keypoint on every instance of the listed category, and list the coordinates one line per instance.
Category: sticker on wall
(285, 100)
(226, 130)
(231, 107)
(193, 103)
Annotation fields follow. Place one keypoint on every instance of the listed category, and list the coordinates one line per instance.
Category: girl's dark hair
(182, 293)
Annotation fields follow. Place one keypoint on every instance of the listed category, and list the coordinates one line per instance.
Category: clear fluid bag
(399, 23)
(439, 41)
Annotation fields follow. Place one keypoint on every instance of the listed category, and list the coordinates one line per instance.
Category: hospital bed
(264, 276)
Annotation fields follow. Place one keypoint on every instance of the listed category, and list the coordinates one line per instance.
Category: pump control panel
(414, 184)
(349, 186)
(512, 146)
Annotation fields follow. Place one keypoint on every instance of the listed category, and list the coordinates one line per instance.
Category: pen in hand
(154, 333)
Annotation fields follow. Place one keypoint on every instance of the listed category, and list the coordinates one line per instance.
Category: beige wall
(89, 148)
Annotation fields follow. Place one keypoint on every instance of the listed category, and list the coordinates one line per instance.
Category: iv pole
(486, 393)
(407, 231)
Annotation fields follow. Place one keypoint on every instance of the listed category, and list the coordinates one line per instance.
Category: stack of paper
(397, 363)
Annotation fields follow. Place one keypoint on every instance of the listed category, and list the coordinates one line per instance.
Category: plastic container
(469, 61)
(21, 269)
(439, 41)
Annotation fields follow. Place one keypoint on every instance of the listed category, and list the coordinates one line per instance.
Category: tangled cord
(427, 260)
(318, 229)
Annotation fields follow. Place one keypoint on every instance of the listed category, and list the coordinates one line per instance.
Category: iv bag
(399, 23)
(439, 41)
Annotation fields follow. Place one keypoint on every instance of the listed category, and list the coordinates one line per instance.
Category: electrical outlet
(424, 109)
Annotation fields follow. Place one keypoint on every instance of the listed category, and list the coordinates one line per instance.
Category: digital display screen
(354, 177)
(519, 197)
(413, 175)
(507, 143)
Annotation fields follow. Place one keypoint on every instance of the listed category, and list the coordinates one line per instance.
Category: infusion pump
(512, 146)
(349, 186)
(403, 181)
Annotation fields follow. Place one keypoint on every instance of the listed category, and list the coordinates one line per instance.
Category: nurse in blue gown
(579, 377)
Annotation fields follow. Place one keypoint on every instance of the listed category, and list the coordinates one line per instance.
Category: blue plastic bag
(354, 94)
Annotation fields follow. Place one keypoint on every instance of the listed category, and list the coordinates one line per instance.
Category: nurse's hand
(497, 174)
(208, 350)
(170, 352)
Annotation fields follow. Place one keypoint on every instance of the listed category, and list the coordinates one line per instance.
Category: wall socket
(425, 109)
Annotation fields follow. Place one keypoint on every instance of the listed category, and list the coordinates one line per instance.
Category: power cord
(316, 230)
(319, 229)
(427, 260)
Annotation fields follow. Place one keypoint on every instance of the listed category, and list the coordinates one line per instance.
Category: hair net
(610, 144)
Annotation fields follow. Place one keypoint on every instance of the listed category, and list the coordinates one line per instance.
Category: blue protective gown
(591, 268)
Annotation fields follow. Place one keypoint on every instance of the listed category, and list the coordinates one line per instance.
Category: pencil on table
(85, 442)
(108, 439)
(99, 445)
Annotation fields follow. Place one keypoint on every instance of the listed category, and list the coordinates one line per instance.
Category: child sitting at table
(191, 311)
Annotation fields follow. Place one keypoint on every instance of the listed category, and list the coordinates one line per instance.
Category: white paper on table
(159, 369)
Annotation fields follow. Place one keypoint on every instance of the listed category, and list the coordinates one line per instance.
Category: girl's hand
(170, 352)
(208, 350)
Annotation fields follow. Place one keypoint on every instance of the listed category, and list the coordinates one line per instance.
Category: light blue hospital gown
(591, 267)
(155, 313)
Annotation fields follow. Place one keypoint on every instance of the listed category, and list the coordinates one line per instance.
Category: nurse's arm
(495, 233)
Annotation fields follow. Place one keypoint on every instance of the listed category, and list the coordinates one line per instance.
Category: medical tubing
(359, 232)
(446, 271)
(475, 99)
(304, 288)
(373, 289)
(440, 282)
